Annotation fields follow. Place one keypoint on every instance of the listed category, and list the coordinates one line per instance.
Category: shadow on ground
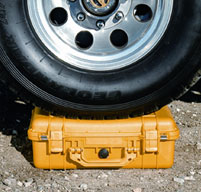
(15, 118)
(14, 121)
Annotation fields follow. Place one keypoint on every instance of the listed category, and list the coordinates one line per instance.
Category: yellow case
(141, 142)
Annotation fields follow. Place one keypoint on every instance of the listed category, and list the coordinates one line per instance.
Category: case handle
(80, 159)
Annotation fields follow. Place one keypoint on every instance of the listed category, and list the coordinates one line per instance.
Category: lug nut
(119, 15)
(100, 24)
(80, 16)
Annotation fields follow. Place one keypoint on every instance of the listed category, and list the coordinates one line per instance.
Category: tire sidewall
(169, 65)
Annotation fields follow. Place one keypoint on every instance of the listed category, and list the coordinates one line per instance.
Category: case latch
(56, 142)
(151, 140)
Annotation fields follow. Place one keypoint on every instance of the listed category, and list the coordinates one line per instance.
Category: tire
(37, 75)
(193, 95)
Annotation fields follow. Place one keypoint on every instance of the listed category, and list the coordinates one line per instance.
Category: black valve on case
(103, 153)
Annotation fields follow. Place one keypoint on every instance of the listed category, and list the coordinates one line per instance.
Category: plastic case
(141, 142)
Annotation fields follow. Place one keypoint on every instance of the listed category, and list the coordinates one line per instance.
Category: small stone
(54, 184)
(179, 180)
(191, 178)
(17, 120)
(7, 189)
(48, 185)
(196, 92)
(84, 187)
(19, 183)
(20, 102)
(75, 175)
(178, 110)
(198, 145)
(192, 172)
(28, 182)
(109, 173)
(40, 188)
(194, 115)
(14, 132)
(66, 178)
(6, 173)
(103, 176)
(9, 182)
(137, 190)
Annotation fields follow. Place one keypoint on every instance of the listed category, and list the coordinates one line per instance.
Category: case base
(142, 142)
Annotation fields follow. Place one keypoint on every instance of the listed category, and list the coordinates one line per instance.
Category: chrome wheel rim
(111, 37)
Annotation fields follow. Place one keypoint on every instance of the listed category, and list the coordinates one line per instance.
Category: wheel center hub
(100, 35)
(100, 3)
(100, 7)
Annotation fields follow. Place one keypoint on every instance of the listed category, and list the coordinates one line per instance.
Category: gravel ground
(17, 172)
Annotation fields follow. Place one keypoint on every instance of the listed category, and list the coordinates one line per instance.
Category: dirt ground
(17, 172)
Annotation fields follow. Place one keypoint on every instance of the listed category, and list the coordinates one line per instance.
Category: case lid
(151, 129)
